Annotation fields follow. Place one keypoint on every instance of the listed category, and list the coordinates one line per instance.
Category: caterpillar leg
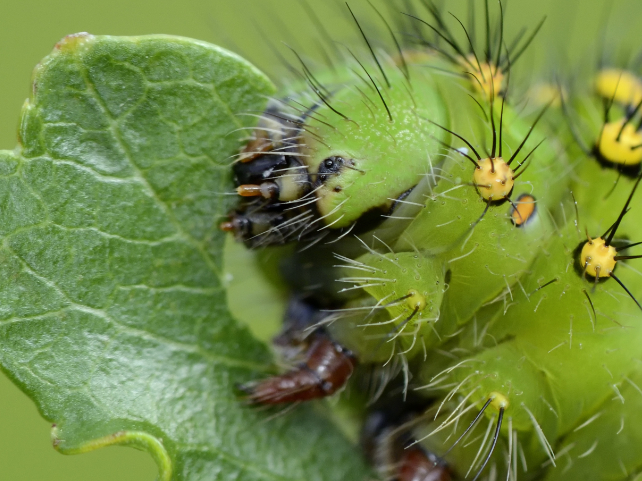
(326, 367)
(390, 446)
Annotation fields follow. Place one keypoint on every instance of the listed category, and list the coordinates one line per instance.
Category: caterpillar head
(375, 151)
(348, 159)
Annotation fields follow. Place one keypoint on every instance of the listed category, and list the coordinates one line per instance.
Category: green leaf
(112, 306)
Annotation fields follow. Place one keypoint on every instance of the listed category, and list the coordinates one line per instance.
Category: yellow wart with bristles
(487, 78)
(620, 143)
(494, 178)
(598, 258)
(620, 85)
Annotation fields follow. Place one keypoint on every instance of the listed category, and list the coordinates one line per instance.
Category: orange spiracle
(523, 209)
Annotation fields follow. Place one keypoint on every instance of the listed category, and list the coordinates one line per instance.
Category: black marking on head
(329, 167)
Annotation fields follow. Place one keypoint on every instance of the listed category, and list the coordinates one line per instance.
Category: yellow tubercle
(486, 77)
(620, 148)
(598, 259)
(547, 93)
(620, 85)
(494, 178)
(416, 301)
(499, 401)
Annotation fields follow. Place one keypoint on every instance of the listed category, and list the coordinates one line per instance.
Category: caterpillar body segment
(406, 291)
(434, 229)
(329, 166)
(477, 239)
(463, 436)
(566, 336)
(601, 447)
(484, 62)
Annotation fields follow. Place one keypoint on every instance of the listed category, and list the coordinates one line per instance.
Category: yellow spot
(499, 400)
(416, 300)
(494, 178)
(621, 86)
(624, 148)
(545, 93)
(598, 259)
(486, 78)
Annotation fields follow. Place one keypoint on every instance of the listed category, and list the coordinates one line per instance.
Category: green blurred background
(29, 30)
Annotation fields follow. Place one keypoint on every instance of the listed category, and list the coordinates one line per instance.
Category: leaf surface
(112, 305)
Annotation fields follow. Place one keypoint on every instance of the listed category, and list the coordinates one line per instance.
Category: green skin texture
(396, 276)
(616, 432)
(495, 251)
(525, 365)
(373, 143)
(536, 363)
(520, 346)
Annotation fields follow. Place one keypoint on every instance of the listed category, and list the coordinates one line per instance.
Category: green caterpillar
(477, 244)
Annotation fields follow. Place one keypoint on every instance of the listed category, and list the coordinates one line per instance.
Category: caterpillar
(444, 232)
